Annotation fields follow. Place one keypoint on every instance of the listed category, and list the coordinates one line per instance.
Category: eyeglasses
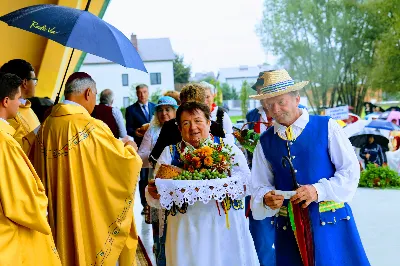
(35, 80)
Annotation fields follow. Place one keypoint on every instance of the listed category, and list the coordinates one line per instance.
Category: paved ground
(377, 214)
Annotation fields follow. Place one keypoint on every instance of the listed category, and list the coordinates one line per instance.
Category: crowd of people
(67, 185)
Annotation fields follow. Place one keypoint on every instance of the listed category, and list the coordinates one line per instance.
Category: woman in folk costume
(198, 234)
(165, 111)
(314, 164)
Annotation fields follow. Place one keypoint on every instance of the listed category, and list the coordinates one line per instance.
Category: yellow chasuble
(25, 235)
(24, 123)
(90, 180)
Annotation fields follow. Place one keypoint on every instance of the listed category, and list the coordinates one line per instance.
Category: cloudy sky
(211, 34)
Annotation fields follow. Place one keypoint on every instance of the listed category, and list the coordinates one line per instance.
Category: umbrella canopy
(360, 139)
(354, 128)
(372, 115)
(77, 29)
(394, 108)
(380, 124)
(390, 115)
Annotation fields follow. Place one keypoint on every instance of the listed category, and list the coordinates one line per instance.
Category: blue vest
(336, 238)
(253, 116)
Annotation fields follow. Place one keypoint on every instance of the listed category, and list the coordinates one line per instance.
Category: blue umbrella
(77, 29)
(381, 124)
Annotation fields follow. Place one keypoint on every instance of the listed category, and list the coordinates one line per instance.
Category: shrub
(375, 176)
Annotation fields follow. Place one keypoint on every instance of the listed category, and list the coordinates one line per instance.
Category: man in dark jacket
(372, 152)
(137, 115)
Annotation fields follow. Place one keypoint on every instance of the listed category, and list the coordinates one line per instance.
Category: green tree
(181, 71)
(386, 73)
(330, 43)
(229, 92)
(155, 96)
(244, 97)
(218, 97)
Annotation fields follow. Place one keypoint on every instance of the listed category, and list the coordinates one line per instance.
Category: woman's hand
(152, 189)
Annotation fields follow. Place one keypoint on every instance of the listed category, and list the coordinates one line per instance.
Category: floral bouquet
(248, 138)
(209, 161)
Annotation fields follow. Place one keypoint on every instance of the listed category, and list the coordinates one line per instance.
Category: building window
(126, 101)
(125, 80)
(155, 78)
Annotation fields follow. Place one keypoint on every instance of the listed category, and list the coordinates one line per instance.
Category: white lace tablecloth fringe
(190, 191)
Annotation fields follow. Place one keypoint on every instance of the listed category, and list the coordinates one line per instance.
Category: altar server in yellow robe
(26, 121)
(25, 235)
(90, 178)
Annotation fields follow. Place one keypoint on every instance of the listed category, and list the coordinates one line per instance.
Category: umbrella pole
(69, 62)
(87, 5)
(65, 74)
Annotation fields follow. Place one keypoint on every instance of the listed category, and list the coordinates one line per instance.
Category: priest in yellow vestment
(90, 179)
(25, 235)
(26, 121)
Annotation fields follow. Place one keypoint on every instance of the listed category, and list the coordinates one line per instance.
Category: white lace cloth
(190, 191)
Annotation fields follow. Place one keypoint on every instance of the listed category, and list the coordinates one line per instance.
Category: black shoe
(142, 213)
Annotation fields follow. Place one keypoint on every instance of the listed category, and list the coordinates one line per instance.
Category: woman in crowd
(198, 235)
(217, 114)
(165, 111)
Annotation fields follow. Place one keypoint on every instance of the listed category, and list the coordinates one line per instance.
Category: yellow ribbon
(289, 133)
(227, 219)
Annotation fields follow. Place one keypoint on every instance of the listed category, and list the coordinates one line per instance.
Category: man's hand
(306, 193)
(151, 187)
(273, 201)
(131, 143)
(367, 156)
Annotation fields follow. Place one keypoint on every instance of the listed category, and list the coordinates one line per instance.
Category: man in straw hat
(325, 168)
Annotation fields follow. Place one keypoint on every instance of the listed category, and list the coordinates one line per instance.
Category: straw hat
(275, 83)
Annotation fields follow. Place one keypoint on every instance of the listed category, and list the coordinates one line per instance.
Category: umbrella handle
(87, 5)
(69, 62)
(286, 161)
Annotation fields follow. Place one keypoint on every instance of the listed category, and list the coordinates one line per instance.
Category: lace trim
(180, 192)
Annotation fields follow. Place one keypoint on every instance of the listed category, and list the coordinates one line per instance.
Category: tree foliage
(181, 71)
(155, 96)
(229, 93)
(244, 97)
(331, 43)
(386, 73)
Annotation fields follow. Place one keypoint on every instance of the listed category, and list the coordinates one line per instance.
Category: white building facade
(235, 76)
(157, 56)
